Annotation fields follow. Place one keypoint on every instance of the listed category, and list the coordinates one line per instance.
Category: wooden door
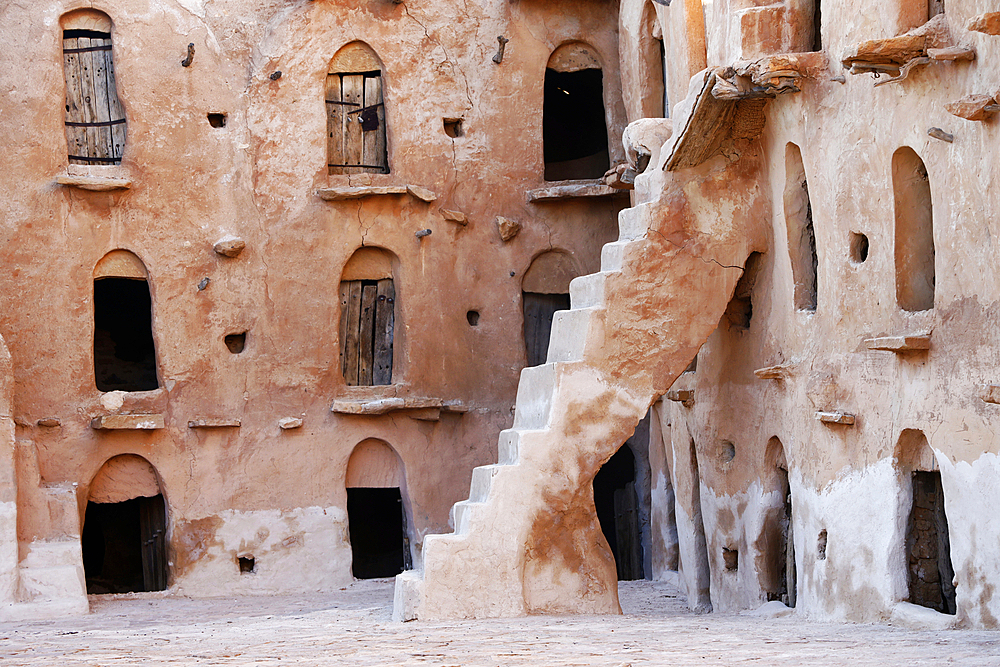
(539, 309)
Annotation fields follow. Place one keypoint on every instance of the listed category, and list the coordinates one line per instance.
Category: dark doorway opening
(618, 512)
(574, 131)
(125, 546)
(780, 545)
(539, 309)
(928, 547)
(379, 543)
(124, 353)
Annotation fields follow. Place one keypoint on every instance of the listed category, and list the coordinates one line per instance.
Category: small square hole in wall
(236, 342)
(821, 545)
(453, 127)
(731, 557)
(859, 247)
(473, 317)
(247, 564)
(217, 119)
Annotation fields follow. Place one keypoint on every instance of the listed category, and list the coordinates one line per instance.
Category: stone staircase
(527, 540)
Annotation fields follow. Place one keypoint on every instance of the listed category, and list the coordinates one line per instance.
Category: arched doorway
(775, 545)
(376, 512)
(621, 498)
(544, 290)
(574, 129)
(125, 529)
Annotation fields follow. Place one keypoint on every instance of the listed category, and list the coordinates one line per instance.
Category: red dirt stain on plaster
(192, 540)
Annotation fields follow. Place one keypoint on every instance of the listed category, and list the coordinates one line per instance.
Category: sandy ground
(353, 627)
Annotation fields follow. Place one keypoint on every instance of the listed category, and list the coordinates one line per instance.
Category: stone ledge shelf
(127, 423)
(94, 183)
(836, 418)
(214, 423)
(683, 396)
(344, 193)
(918, 343)
(424, 409)
(574, 190)
(780, 372)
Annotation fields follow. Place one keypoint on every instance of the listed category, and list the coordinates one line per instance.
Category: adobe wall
(846, 479)
(280, 494)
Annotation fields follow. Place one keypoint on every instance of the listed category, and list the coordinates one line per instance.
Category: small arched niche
(95, 118)
(124, 348)
(801, 233)
(368, 317)
(775, 546)
(124, 538)
(376, 511)
(544, 290)
(927, 543)
(355, 111)
(574, 127)
(914, 231)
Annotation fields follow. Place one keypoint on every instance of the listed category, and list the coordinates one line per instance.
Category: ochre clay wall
(280, 494)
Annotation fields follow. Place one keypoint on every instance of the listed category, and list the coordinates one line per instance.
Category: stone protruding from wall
(527, 540)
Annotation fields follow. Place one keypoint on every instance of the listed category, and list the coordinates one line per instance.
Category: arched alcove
(376, 511)
(775, 545)
(927, 542)
(368, 317)
(95, 118)
(915, 276)
(801, 233)
(124, 538)
(124, 347)
(574, 127)
(544, 290)
(655, 102)
(355, 112)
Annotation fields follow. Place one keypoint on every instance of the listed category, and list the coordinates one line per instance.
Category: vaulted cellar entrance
(376, 512)
(124, 537)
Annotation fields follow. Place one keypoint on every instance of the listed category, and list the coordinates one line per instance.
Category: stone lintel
(900, 343)
(383, 406)
(835, 418)
(343, 193)
(214, 423)
(573, 190)
(94, 183)
(127, 422)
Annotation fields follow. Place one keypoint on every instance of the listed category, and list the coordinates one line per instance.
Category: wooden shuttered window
(95, 120)
(355, 124)
(366, 331)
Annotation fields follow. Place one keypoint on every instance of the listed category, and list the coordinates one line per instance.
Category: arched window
(914, 231)
(95, 119)
(367, 317)
(574, 129)
(355, 112)
(544, 290)
(124, 351)
(125, 529)
(801, 233)
(376, 512)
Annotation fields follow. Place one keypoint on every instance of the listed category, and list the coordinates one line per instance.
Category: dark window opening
(453, 127)
(928, 546)
(574, 130)
(367, 322)
(617, 507)
(473, 318)
(95, 119)
(236, 342)
(124, 352)
(915, 275)
(739, 311)
(663, 77)
(377, 523)
(217, 120)
(247, 564)
(731, 559)
(817, 24)
(125, 547)
(539, 310)
(779, 548)
(355, 109)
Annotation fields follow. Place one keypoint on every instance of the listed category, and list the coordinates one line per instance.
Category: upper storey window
(95, 120)
(355, 113)
(574, 130)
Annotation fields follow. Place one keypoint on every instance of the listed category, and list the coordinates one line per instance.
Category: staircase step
(588, 291)
(508, 447)
(461, 513)
(534, 397)
(633, 223)
(571, 331)
(482, 478)
(612, 255)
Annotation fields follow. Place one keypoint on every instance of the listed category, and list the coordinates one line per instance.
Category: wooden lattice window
(366, 326)
(95, 120)
(355, 112)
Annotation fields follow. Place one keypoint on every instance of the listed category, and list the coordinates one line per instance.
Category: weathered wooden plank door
(356, 129)
(539, 309)
(95, 119)
(367, 322)
(383, 332)
(153, 533)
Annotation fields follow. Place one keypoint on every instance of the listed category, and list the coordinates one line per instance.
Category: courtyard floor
(353, 627)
